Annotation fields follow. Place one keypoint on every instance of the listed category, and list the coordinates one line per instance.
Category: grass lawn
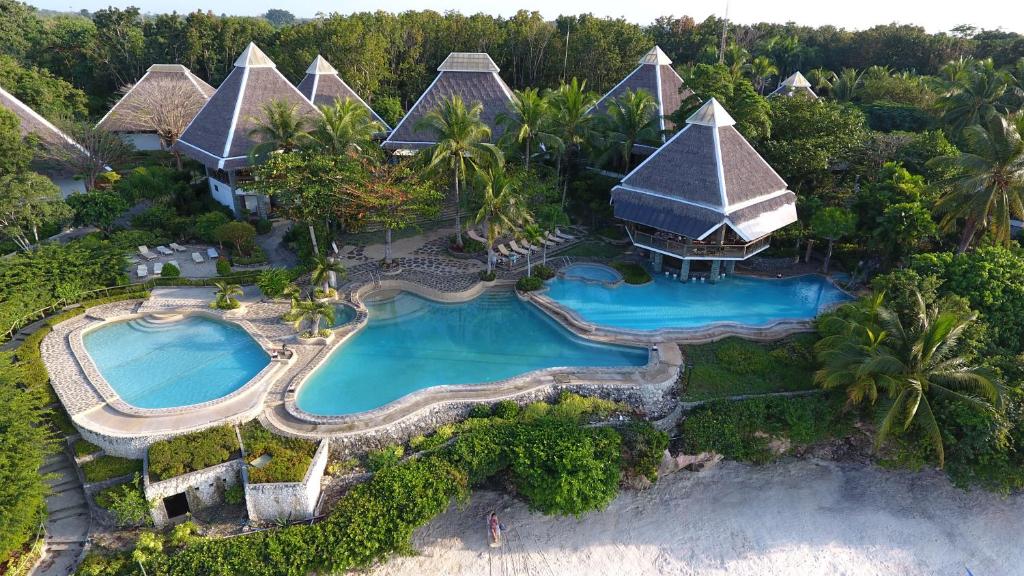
(733, 366)
(594, 249)
(84, 448)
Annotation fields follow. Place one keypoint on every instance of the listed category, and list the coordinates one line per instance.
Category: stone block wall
(203, 488)
(288, 500)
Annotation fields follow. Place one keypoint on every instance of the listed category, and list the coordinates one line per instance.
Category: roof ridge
(253, 57)
(320, 65)
(468, 62)
(655, 56)
(711, 114)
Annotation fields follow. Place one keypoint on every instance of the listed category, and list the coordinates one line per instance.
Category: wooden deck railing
(697, 251)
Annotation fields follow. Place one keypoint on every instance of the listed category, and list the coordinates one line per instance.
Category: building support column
(715, 271)
(730, 267)
(238, 201)
(684, 271)
(656, 263)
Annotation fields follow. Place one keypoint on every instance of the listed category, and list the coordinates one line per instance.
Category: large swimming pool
(179, 363)
(667, 303)
(411, 343)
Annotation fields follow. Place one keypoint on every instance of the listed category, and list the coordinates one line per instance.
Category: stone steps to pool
(155, 323)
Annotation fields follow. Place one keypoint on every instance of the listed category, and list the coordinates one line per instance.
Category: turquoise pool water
(594, 272)
(412, 343)
(179, 363)
(343, 314)
(667, 303)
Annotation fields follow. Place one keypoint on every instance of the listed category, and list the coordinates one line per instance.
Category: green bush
(183, 533)
(290, 457)
(206, 225)
(235, 495)
(170, 271)
(255, 256)
(469, 246)
(191, 452)
(272, 282)
(488, 276)
(733, 366)
(543, 272)
(632, 273)
(643, 447)
(223, 267)
(529, 284)
(480, 411)
(385, 457)
(84, 448)
(506, 409)
(105, 563)
(573, 407)
(263, 226)
(107, 467)
(127, 502)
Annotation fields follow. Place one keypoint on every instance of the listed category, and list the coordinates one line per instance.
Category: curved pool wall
(411, 343)
(591, 274)
(175, 363)
(666, 304)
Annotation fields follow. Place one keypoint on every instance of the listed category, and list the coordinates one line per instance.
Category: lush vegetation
(191, 452)
(632, 273)
(734, 366)
(289, 457)
(126, 502)
(85, 448)
(107, 467)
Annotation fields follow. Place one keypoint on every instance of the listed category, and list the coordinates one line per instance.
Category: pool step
(155, 322)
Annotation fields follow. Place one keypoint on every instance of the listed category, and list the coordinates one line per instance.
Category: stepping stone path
(67, 521)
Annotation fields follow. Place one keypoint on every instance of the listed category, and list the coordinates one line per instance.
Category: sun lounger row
(142, 270)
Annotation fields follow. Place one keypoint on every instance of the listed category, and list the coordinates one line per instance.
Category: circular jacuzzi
(592, 274)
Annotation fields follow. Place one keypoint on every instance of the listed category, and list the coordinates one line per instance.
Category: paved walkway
(272, 243)
(67, 521)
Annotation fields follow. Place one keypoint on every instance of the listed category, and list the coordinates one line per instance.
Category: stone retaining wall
(203, 488)
(289, 501)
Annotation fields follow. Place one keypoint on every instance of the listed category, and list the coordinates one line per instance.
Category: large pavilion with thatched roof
(654, 75)
(31, 122)
(219, 136)
(705, 198)
(473, 76)
(795, 85)
(323, 86)
(166, 94)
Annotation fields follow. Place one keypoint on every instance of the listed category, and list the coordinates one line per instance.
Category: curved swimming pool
(173, 364)
(591, 272)
(666, 303)
(411, 343)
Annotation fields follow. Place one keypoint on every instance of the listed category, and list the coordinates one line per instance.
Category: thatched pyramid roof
(171, 79)
(323, 86)
(655, 75)
(795, 85)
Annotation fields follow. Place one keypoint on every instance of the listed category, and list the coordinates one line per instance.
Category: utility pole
(565, 61)
(725, 24)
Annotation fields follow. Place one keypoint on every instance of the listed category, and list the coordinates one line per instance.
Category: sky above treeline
(933, 15)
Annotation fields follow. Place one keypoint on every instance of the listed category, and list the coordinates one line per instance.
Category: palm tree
(528, 121)
(846, 84)
(913, 361)
(345, 127)
(321, 273)
(281, 128)
(976, 97)
(532, 234)
(988, 188)
(736, 58)
(310, 312)
(460, 138)
(821, 79)
(501, 207)
(224, 296)
(573, 122)
(761, 69)
(630, 119)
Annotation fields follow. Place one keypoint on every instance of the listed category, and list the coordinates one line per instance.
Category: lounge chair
(197, 258)
(503, 250)
(529, 246)
(211, 252)
(561, 234)
(554, 239)
(164, 250)
(515, 248)
(474, 236)
(177, 247)
(142, 271)
(145, 253)
(157, 268)
(546, 242)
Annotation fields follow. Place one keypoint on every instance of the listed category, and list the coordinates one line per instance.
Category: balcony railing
(705, 251)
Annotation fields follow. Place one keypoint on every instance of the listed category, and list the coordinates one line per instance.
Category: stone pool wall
(203, 488)
(287, 500)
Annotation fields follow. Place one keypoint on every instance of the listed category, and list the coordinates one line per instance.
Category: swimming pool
(591, 272)
(178, 363)
(666, 303)
(343, 314)
(411, 343)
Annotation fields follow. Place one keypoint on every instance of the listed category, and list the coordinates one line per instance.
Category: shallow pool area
(343, 314)
(591, 272)
(169, 364)
(665, 303)
(411, 343)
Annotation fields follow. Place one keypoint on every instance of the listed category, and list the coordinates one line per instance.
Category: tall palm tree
(345, 127)
(630, 119)
(736, 58)
(461, 142)
(310, 312)
(821, 79)
(913, 361)
(976, 97)
(847, 84)
(532, 234)
(761, 69)
(573, 122)
(988, 188)
(322, 269)
(280, 128)
(528, 121)
(224, 297)
(502, 207)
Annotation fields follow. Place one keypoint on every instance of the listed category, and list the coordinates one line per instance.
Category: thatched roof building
(165, 93)
(218, 136)
(471, 75)
(655, 75)
(706, 194)
(795, 85)
(323, 86)
(31, 122)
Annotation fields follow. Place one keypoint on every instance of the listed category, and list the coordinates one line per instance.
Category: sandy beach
(797, 517)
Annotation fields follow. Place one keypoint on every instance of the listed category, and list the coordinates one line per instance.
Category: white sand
(796, 518)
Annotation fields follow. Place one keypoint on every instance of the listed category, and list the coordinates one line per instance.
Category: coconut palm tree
(321, 273)
(502, 208)
(224, 296)
(532, 234)
(912, 360)
(461, 142)
(761, 69)
(346, 126)
(630, 119)
(821, 79)
(846, 84)
(528, 121)
(281, 128)
(736, 58)
(976, 97)
(573, 122)
(988, 186)
(310, 312)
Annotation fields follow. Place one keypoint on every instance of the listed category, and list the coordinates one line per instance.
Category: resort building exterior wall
(291, 501)
(143, 140)
(203, 488)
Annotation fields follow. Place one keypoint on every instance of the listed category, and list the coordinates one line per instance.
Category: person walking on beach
(494, 526)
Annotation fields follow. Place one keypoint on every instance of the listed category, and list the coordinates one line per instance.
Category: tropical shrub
(206, 225)
(290, 457)
(632, 273)
(127, 503)
(273, 282)
(234, 495)
(529, 284)
(170, 271)
(84, 448)
(263, 226)
(506, 409)
(191, 452)
(643, 447)
(385, 457)
(107, 467)
(223, 267)
(488, 276)
(183, 533)
(480, 411)
(543, 271)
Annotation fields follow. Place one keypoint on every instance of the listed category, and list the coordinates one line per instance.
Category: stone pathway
(272, 244)
(67, 521)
